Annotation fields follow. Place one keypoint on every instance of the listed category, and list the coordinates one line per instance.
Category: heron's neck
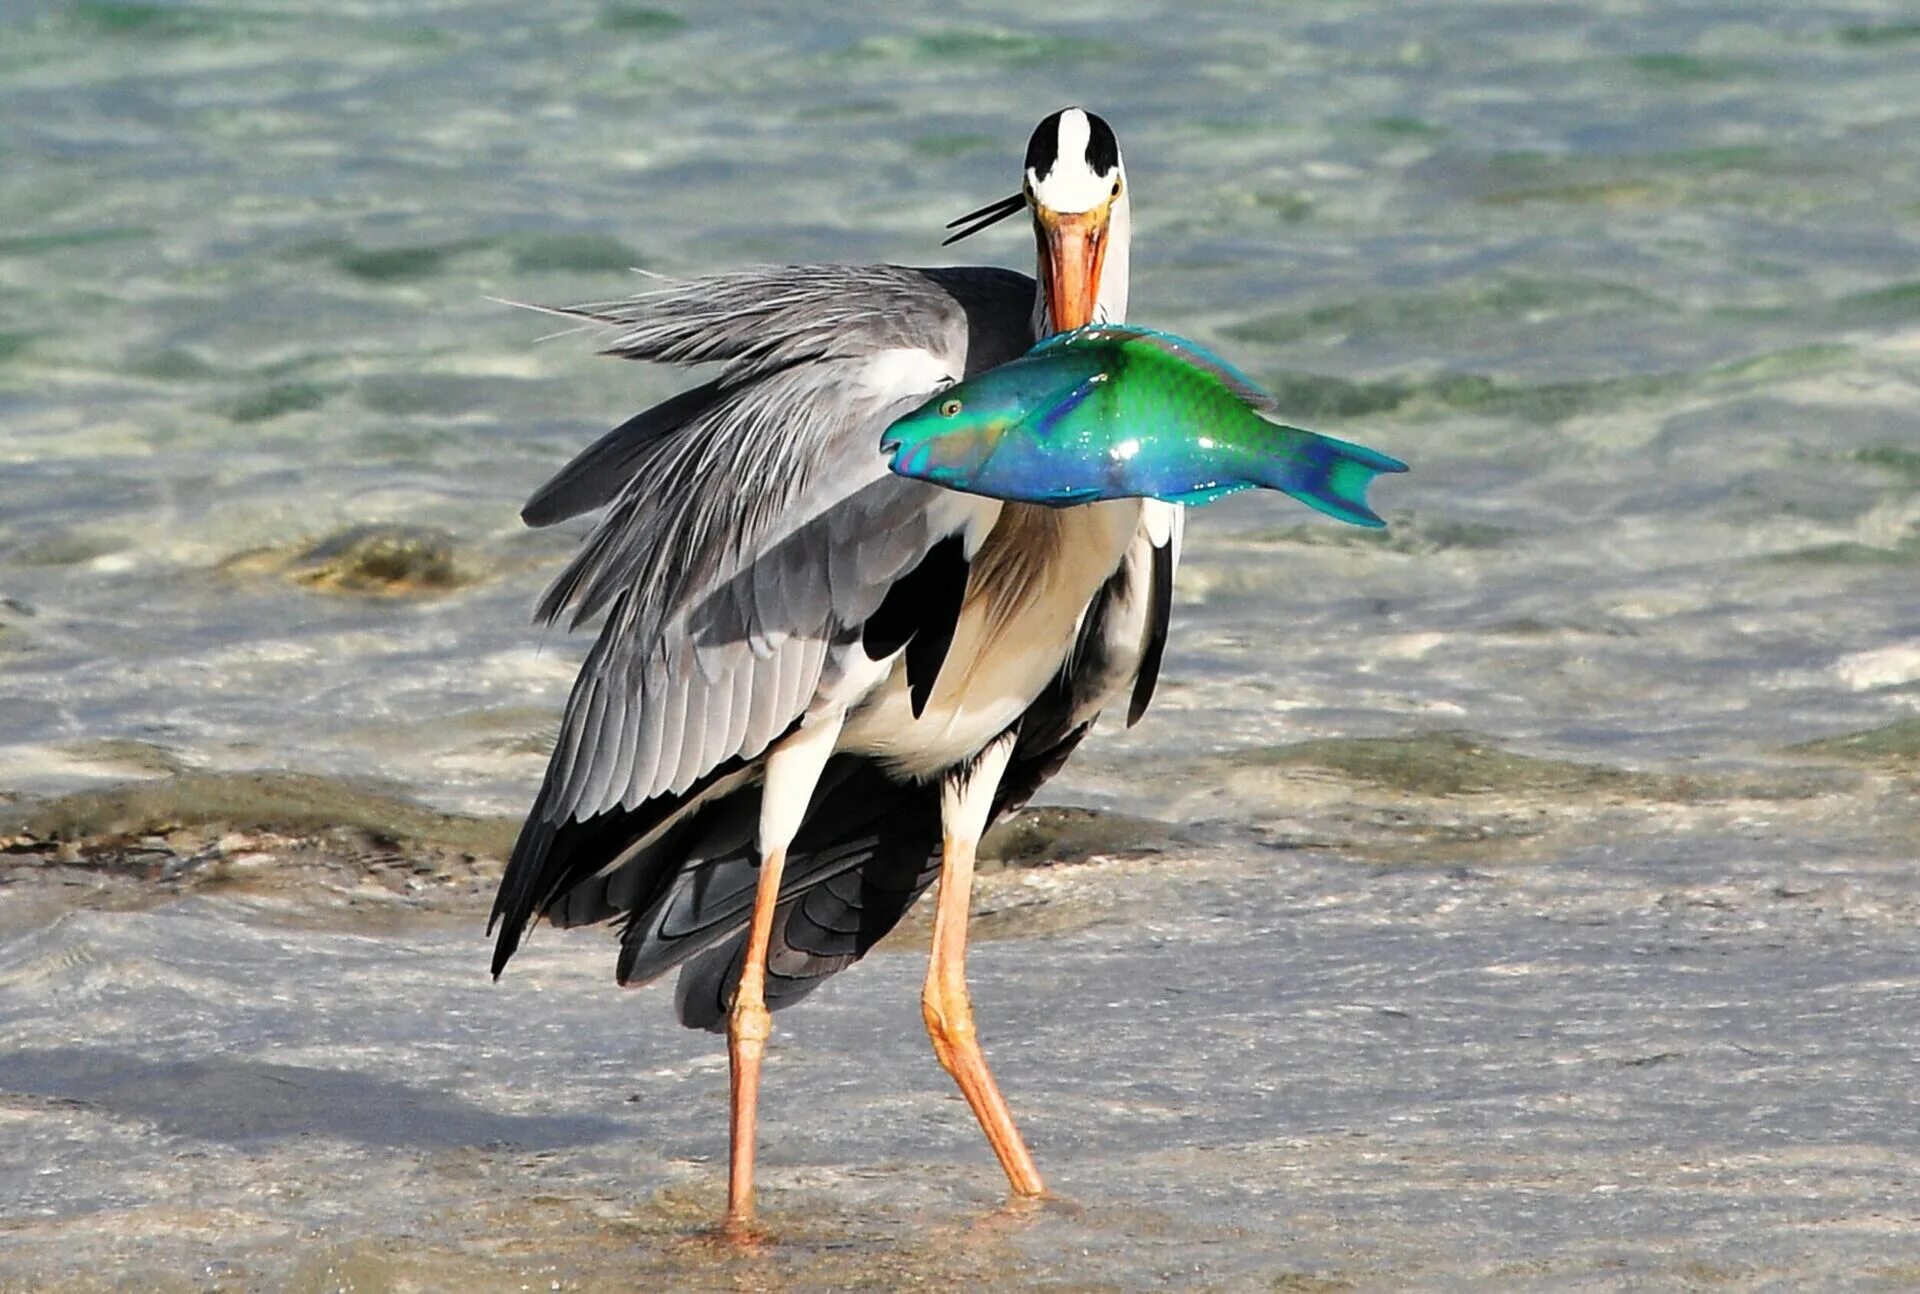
(1110, 303)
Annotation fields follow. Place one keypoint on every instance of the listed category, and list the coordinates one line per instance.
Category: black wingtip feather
(920, 613)
(549, 861)
(513, 904)
(1159, 611)
(946, 590)
(603, 469)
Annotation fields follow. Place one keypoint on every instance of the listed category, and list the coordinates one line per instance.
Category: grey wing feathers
(660, 701)
(759, 320)
(753, 536)
(817, 933)
(859, 812)
(870, 847)
(756, 321)
(708, 499)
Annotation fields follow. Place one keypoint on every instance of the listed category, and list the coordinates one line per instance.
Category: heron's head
(1075, 187)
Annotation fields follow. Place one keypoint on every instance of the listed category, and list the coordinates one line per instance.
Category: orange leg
(791, 772)
(949, 1015)
(748, 1025)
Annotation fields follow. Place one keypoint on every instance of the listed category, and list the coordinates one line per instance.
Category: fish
(1112, 411)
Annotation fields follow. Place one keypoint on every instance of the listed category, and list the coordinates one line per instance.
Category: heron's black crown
(1043, 150)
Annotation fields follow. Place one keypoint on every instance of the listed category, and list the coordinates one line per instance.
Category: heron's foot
(1047, 1204)
(741, 1235)
(1017, 1212)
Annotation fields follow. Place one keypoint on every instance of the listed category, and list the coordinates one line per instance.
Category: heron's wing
(1162, 526)
(600, 472)
(870, 846)
(756, 321)
(750, 543)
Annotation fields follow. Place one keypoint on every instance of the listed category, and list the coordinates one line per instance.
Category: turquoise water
(1635, 289)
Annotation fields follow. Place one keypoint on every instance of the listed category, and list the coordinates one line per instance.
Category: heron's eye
(949, 408)
(1116, 189)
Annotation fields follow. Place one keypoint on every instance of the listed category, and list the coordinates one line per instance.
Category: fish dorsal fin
(1190, 352)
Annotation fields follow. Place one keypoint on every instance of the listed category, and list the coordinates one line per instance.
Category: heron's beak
(1072, 247)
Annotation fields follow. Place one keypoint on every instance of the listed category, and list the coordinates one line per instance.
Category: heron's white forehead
(1075, 131)
(1072, 186)
(1073, 182)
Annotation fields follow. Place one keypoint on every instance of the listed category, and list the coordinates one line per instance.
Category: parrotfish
(1112, 411)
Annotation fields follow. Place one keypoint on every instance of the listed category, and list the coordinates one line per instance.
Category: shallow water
(1632, 288)
(1606, 1071)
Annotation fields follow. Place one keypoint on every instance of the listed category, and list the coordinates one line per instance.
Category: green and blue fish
(1110, 411)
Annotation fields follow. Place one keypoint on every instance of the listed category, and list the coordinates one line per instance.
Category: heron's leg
(748, 1025)
(792, 772)
(965, 805)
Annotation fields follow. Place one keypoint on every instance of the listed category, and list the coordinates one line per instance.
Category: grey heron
(816, 684)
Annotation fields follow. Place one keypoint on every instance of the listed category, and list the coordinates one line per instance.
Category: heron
(816, 684)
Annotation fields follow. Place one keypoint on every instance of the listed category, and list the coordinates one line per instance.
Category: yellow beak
(1072, 247)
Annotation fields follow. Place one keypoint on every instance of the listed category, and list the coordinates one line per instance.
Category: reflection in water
(236, 1101)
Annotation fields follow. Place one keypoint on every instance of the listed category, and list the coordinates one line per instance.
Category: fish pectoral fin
(1067, 496)
(1207, 493)
(1063, 406)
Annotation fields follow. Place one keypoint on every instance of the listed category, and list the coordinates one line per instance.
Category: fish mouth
(907, 458)
(897, 437)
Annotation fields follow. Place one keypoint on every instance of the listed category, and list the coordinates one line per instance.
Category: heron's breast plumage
(1031, 583)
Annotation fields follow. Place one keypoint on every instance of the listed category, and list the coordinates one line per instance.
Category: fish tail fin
(1329, 475)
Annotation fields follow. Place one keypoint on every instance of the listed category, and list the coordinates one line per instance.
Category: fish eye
(948, 408)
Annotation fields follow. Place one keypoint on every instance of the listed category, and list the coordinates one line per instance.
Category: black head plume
(991, 214)
(1101, 156)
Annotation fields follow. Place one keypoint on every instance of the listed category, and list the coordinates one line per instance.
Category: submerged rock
(1896, 743)
(377, 560)
(1455, 798)
(1442, 764)
(125, 755)
(295, 803)
(309, 845)
(381, 559)
(1062, 834)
